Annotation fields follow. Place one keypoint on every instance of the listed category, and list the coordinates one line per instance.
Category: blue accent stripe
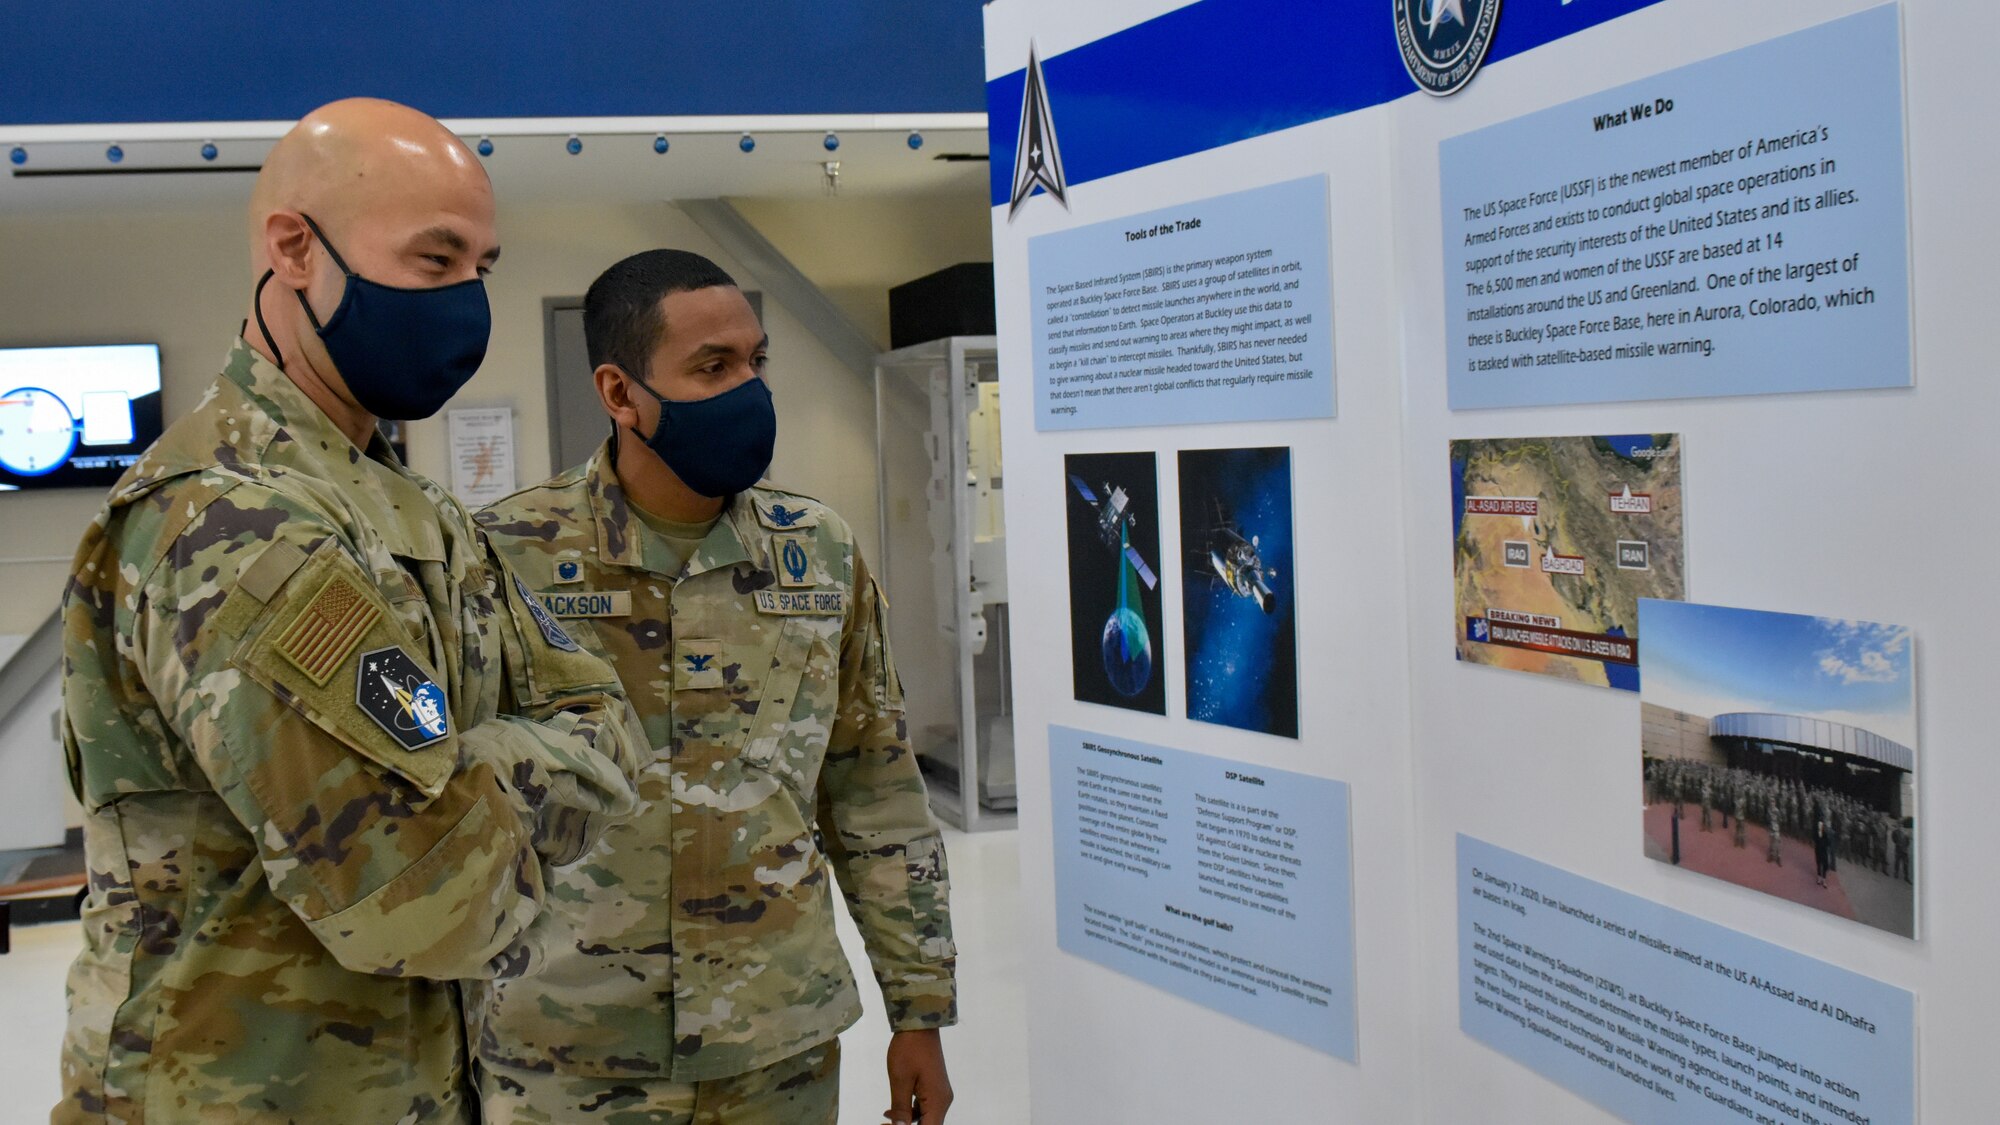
(1222, 71)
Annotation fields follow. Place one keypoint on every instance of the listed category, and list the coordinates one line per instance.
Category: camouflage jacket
(319, 739)
(703, 940)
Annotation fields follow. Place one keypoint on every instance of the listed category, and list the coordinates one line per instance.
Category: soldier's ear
(620, 401)
(288, 246)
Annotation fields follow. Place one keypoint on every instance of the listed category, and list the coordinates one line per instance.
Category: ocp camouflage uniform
(704, 940)
(319, 742)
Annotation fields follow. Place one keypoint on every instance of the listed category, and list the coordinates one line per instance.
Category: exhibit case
(943, 560)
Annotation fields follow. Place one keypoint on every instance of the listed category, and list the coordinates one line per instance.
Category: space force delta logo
(551, 632)
(1037, 161)
(1444, 41)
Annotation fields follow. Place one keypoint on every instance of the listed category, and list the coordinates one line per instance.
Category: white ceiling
(613, 167)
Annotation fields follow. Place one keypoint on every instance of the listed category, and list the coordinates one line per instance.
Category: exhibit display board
(1633, 346)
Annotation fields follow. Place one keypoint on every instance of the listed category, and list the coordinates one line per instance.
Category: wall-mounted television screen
(76, 417)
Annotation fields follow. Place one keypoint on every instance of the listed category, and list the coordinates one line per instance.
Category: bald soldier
(325, 745)
(702, 983)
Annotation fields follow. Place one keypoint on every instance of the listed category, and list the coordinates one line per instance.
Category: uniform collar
(625, 540)
(305, 441)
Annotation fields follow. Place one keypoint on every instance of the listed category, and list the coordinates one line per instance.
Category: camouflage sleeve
(568, 743)
(332, 737)
(875, 817)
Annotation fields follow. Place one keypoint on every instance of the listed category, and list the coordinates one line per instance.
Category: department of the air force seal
(551, 632)
(401, 698)
(1444, 41)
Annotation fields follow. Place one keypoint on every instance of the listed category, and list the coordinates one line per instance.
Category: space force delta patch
(800, 602)
(587, 603)
(391, 689)
(551, 632)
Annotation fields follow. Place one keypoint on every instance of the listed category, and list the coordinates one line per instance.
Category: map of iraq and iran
(1555, 540)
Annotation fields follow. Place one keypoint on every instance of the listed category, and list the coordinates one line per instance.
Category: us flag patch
(321, 636)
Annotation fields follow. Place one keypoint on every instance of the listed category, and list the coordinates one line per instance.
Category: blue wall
(86, 61)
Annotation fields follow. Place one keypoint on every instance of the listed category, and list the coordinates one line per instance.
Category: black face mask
(719, 445)
(402, 352)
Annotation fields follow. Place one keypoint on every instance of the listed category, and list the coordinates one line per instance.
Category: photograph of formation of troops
(1778, 753)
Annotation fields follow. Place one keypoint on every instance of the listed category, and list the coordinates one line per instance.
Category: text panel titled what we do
(1732, 227)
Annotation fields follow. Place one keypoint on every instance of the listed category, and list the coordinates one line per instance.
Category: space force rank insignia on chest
(587, 603)
(551, 632)
(792, 603)
(698, 664)
(401, 697)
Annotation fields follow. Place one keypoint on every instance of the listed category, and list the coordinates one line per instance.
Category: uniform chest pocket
(795, 716)
(479, 644)
(407, 603)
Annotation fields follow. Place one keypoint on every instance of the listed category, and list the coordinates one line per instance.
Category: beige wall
(175, 278)
(1667, 733)
(178, 278)
(855, 249)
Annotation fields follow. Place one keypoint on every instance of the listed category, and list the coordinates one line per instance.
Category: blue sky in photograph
(1708, 660)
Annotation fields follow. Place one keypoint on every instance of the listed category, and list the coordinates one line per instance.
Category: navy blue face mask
(402, 352)
(718, 445)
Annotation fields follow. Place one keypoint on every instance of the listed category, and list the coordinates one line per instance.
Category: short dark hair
(622, 321)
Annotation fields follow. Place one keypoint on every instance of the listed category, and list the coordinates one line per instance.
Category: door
(577, 425)
(576, 418)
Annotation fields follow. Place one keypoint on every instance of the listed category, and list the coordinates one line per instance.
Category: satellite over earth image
(1114, 544)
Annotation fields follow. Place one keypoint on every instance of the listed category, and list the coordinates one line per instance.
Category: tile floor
(987, 1053)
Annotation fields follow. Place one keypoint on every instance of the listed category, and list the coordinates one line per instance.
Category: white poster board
(1841, 501)
(482, 453)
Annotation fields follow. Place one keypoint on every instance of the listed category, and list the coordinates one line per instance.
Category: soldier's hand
(919, 1090)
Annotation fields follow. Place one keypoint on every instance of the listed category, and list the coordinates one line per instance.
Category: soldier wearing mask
(328, 749)
(703, 980)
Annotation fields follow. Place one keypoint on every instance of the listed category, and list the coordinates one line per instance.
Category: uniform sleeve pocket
(930, 894)
(886, 683)
(327, 646)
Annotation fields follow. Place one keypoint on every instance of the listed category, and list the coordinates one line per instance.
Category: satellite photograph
(1114, 583)
(1236, 589)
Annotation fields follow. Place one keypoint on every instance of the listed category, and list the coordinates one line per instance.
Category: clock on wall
(37, 432)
